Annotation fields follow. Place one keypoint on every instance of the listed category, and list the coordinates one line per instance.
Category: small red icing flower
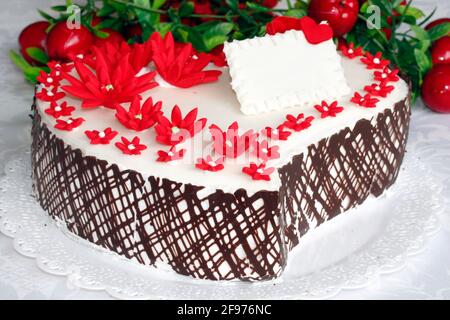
(178, 64)
(230, 143)
(49, 95)
(387, 75)
(379, 89)
(374, 61)
(57, 69)
(171, 155)
(101, 137)
(139, 117)
(208, 164)
(69, 124)
(276, 134)
(59, 110)
(298, 123)
(364, 101)
(258, 172)
(178, 129)
(328, 110)
(350, 51)
(48, 80)
(264, 152)
(282, 24)
(133, 147)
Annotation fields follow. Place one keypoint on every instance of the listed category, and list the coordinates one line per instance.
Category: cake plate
(347, 252)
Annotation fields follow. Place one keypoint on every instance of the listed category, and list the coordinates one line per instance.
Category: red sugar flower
(139, 118)
(258, 172)
(350, 51)
(57, 68)
(217, 56)
(69, 124)
(230, 143)
(48, 80)
(109, 85)
(59, 110)
(179, 65)
(282, 24)
(374, 61)
(379, 89)
(171, 155)
(387, 75)
(101, 137)
(298, 123)
(276, 134)
(328, 110)
(265, 152)
(133, 147)
(208, 164)
(367, 101)
(178, 129)
(49, 95)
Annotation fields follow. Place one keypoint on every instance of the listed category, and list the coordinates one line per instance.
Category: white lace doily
(347, 252)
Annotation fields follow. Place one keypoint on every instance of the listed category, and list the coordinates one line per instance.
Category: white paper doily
(347, 252)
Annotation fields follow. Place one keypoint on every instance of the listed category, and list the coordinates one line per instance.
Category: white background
(426, 276)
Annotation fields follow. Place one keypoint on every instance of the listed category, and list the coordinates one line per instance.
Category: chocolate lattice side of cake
(340, 172)
(218, 235)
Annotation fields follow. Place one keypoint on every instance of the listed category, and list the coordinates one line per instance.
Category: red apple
(33, 36)
(440, 52)
(436, 88)
(340, 14)
(64, 43)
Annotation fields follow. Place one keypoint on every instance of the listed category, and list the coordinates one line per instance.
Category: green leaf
(156, 4)
(18, 60)
(410, 11)
(234, 4)
(296, 13)
(423, 61)
(164, 27)
(256, 7)
(421, 33)
(100, 34)
(37, 54)
(106, 10)
(186, 9)
(59, 8)
(196, 39)
(217, 35)
(46, 16)
(439, 31)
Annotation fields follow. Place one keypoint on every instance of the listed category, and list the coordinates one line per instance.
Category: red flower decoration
(139, 118)
(328, 110)
(282, 24)
(264, 152)
(57, 69)
(276, 134)
(258, 172)
(374, 61)
(367, 101)
(379, 89)
(298, 123)
(350, 51)
(48, 80)
(101, 137)
(171, 155)
(217, 56)
(133, 147)
(208, 164)
(387, 75)
(59, 110)
(178, 129)
(109, 85)
(69, 124)
(231, 144)
(179, 65)
(48, 95)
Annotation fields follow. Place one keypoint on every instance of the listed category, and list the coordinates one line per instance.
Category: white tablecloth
(426, 276)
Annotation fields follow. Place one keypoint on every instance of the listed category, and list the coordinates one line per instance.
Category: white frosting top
(284, 70)
(217, 102)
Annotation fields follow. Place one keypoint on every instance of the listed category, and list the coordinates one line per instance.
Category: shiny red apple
(340, 14)
(64, 43)
(33, 36)
(436, 88)
(440, 51)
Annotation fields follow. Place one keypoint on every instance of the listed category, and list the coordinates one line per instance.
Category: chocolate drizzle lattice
(213, 234)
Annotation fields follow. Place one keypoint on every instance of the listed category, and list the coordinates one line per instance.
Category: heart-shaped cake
(143, 149)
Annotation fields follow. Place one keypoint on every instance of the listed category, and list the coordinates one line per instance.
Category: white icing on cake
(217, 102)
(284, 70)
